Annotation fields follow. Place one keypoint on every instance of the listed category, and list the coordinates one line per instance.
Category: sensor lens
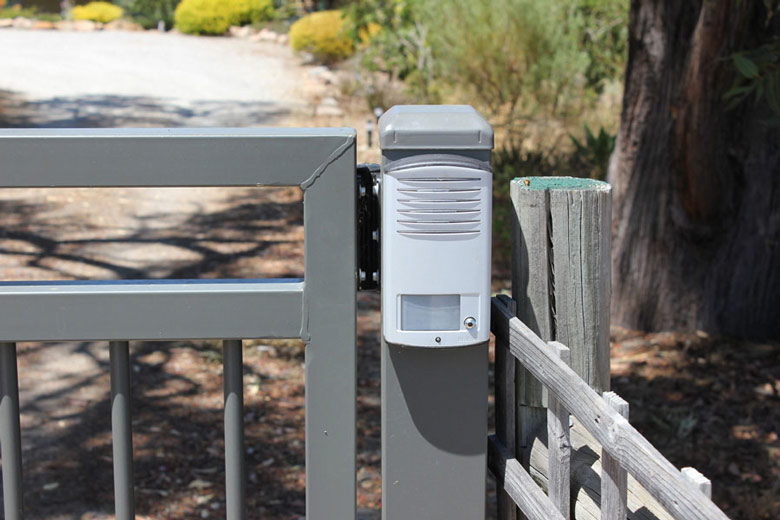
(430, 312)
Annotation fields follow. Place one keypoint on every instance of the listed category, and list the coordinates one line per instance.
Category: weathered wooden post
(561, 290)
(561, 280)
(561, 285)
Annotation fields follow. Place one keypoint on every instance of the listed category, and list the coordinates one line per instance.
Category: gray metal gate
(320, 309)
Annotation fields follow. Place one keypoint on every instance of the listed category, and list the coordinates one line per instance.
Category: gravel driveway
(65, 79)
(121, 79)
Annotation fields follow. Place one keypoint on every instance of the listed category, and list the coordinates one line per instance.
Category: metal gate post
(434, 400)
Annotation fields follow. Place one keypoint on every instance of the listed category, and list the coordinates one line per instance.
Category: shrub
(48, 17)
(591, 155)
(540, 68)
(401, 49)
(324, 34)
(510, 161)
(605, 38)
(18, 11)
(216, 16)
(102, 12)
(148, 12)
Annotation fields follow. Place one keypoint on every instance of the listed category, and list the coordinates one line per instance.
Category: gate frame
(321, 309)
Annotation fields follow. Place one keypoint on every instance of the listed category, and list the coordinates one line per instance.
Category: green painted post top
(434, 127)
(560, 183)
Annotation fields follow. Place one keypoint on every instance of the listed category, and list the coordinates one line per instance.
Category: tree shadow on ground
(179, 470)
(712, 404)
(209, 243)
(705, 402)
(110, 111)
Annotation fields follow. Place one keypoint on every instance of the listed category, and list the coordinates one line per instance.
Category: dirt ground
(711, 403)
(706, 402)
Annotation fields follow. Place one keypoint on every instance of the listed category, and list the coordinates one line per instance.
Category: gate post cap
(434, 127)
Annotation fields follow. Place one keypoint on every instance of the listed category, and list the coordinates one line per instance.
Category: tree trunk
(696, 187)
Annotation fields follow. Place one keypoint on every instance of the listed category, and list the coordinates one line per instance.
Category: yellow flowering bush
(102, 12)
(324, 34)
(216, 16)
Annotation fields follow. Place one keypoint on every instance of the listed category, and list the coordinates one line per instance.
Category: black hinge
(368, 223)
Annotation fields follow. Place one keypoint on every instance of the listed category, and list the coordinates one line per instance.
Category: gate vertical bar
(235, 468)
(434, 400)
(10, 433)
(122, 430)
(329, 330)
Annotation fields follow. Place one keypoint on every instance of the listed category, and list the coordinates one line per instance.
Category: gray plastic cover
(434, 127)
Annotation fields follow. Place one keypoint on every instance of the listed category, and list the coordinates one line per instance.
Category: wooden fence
(537, 445)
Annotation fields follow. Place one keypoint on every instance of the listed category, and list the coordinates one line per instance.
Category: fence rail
(150, 310)
(630, 450)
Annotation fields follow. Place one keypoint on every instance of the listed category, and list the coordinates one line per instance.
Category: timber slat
(559, 443)
(701, 482)
(516, 481)
(614, 480)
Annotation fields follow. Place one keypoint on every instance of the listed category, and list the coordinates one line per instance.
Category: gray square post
(434, 400)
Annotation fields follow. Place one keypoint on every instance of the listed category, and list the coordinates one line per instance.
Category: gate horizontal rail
(160, 157)
(320, 309)
(150, 310)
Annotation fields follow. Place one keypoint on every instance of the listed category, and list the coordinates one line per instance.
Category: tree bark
(696, 188)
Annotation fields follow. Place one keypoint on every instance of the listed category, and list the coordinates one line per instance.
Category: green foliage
(286, 9)
(513, 58)
(592, 156)
(757, 77)
(604, 39)
(216, 16)
(48, 17)
(401, 48)
(102, 12)
(509, 162)
(540, 66)
(324, 34)
(27, 12)
(17, 10)
(148, 12)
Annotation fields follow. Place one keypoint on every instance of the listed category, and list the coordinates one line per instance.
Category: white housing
(436, 231)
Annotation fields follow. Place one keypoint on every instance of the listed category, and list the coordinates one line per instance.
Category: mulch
(711, 403)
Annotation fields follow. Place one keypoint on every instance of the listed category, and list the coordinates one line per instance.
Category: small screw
(470, 322)
(438, 339)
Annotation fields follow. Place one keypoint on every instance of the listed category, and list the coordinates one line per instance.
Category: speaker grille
(439, 206)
